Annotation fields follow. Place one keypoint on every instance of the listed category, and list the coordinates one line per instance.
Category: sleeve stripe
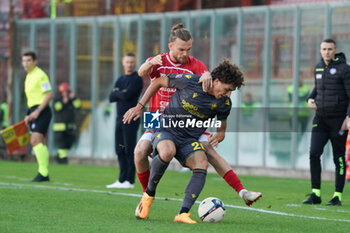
(168, 81)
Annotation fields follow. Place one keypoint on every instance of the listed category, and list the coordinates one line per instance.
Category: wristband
(143, 106)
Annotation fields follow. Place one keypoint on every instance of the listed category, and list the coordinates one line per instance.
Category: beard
(181, 60)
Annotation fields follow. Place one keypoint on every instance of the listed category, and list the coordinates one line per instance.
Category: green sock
(62, 153)
(42, 156)
(317, 192)
(337, 194)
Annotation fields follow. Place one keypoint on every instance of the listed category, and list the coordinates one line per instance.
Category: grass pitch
(76, 200)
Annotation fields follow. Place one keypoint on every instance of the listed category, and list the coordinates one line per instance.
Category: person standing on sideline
(38, 92)
(330, 98)
(126, 92)
(64, 126)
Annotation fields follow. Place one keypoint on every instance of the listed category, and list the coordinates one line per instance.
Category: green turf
(76, 200)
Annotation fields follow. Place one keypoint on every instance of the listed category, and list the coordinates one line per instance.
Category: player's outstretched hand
(213, 140)
(157, 60)
(132, 114)
(206, 81)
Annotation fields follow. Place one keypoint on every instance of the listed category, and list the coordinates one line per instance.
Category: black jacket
(126, 92)
(332, 87)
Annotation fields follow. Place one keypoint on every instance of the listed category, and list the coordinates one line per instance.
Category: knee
(315, 154)
(119, 150)
(35, 140)
(141, 151)
(202, 164)
(167, 153)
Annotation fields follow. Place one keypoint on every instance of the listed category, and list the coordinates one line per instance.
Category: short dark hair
(129, 54)
(228, 73)
(329, 40)
(30, 54)
(179, 31)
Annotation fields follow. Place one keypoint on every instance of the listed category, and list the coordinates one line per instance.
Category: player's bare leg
(224, 170)
(167, 151)
(142, 149)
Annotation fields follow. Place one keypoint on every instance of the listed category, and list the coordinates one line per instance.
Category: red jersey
(161, 99)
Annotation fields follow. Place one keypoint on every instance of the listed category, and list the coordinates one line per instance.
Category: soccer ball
(211, 209)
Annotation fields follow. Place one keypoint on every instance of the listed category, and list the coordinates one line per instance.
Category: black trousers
(65, 139)
(125, 142)
(324, 129)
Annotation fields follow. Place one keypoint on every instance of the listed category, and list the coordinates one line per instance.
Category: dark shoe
(334, 201)
(313, 199)
(40, 178)
(62, 160)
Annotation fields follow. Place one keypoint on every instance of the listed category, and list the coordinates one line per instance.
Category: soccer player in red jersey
(178, 61)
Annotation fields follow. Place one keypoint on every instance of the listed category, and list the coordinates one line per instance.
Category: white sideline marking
(165, 198)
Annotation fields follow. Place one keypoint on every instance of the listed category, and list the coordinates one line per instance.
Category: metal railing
(275, 46)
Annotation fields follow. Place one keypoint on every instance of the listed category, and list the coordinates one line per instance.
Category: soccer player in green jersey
(38, 92)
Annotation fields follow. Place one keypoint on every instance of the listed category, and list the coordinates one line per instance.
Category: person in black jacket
(126, 92)
(330, 99)
(64, 126)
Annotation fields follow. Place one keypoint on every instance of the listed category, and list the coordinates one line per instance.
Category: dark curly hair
(228, 73)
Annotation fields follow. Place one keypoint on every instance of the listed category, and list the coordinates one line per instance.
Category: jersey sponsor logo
(192, 109)
(194, 95)
(151, 120)
(318, 76)
(167, 89)
(45, 87)
(213, 106)
(333, 71)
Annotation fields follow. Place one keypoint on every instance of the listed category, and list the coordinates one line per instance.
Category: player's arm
(35, 114)
(46, 101)
(311, 99)
(146, 67)
(215, 139)
(135, 112)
